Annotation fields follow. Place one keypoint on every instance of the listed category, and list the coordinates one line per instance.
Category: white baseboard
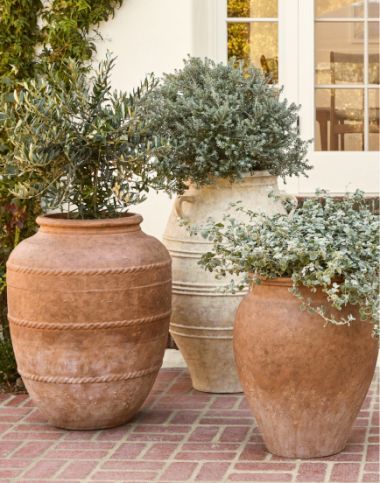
(173, 358)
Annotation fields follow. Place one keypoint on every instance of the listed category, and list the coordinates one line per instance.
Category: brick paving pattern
(181, 435)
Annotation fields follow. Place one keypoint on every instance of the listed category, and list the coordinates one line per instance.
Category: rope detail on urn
(112, 324)
(99, 271)
(220, 337)
(89, 380)
(199, 327)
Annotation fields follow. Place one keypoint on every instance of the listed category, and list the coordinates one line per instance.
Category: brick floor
(180, 435)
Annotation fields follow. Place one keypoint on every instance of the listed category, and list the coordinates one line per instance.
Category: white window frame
(338, 171)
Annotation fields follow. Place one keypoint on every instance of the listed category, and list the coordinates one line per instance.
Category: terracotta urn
(305, 381)
(89, 306)
(203, 313)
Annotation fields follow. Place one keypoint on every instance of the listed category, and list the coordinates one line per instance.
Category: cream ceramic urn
(202, 312)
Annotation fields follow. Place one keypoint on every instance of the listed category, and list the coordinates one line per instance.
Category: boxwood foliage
(328, 243)
(223, 121)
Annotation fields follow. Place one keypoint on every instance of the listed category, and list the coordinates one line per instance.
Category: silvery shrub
(223, 121)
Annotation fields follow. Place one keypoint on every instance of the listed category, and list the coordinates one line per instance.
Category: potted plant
(90, 294)
(302, 335)
(230, 138)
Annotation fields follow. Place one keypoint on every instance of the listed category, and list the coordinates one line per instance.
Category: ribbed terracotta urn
(89, 307)
(305, 381)
(203, 313)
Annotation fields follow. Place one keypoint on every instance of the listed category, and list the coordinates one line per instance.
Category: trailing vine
(19, 35)
(57, 30)
(34, 33)
(68, 25)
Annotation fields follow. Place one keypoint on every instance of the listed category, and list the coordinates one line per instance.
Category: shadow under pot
(305, 381)
(89, 307)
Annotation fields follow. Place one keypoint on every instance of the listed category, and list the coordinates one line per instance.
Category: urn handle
(178, 203)
(292, 198)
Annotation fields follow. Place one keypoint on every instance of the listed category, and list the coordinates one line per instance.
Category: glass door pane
(346, 43)
(374, 8)
(373, 52)
(339, 118)
(252, 8)
(339, 58)
(256, 43)
(252, 34)
(374, 119)
(339, 8)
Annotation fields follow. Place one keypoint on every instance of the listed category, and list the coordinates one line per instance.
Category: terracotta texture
(89, 307)
(305, 382)
(203, 314)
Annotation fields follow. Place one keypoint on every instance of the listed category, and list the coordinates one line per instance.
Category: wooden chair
(270, 68)
(346, 67)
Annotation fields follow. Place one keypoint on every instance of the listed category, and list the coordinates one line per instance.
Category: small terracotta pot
(305, 382)
(89, 307)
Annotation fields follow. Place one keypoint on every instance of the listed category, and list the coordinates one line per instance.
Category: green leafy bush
(327, 243)
(223, 120)
(16, 223)
(8, 367)
(79, 145)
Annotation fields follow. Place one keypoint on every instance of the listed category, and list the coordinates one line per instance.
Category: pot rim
(278, 281)
(282, 281)
(246, 176)
(258, 173)
(58, 220)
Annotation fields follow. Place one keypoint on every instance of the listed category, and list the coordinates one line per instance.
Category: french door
(326, 55)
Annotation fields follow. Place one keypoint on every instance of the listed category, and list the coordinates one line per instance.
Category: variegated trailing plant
(328, 243)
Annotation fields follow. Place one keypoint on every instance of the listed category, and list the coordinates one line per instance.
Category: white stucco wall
(155, 36)
(148, 36)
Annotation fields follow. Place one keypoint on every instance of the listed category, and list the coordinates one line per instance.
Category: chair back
(374, 68)
(346, 67)
(270, 68)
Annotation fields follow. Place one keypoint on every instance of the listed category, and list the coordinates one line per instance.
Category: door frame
(337, 171)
